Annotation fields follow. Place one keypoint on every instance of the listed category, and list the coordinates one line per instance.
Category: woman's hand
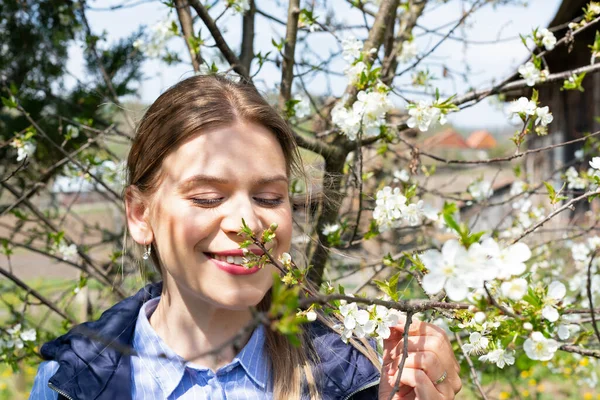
(430, 371)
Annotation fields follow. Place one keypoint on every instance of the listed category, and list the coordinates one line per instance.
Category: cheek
(180, 225)
(284, 231)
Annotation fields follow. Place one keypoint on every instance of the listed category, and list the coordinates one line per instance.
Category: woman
(207, 154)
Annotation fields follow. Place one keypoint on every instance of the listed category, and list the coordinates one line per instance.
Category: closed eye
(214, 202)
(207, 202)
(269, 202)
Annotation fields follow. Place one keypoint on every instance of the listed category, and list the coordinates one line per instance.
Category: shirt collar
(253, 358)
(168, 368)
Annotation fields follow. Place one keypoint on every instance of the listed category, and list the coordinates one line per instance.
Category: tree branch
(187, 28)
(220, 40)
(35, 294)
(287, 68)
(247, 53)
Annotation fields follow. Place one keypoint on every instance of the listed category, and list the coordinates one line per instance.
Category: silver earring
(146, 253)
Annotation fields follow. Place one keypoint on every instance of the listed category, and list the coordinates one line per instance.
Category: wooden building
(574, 112)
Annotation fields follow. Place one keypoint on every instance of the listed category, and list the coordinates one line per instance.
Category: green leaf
(11, 102)
(451, 223)
(550, 189)
(373, 230)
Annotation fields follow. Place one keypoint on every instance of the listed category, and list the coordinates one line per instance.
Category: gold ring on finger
(441, 378)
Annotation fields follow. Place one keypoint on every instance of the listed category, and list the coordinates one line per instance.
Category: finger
(427, 361)
(430, 363)
(417, 344)
(424, 389)
(435, 343)
(420, 328)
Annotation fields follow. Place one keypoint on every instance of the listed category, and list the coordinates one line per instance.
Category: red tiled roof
(448, 138)
(481, 140)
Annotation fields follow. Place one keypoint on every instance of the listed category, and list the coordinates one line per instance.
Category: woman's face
(208, 185)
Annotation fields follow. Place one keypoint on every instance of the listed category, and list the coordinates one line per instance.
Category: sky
(483, 60)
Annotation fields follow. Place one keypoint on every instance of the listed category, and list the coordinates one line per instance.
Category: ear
(137, 211)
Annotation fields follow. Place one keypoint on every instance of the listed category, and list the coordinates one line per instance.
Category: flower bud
(479, 317)
(527, 326)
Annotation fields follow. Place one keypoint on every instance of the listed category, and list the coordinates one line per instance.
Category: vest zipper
(57, 390)
(368, 385)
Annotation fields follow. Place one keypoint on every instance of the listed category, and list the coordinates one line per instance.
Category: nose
(241, 207)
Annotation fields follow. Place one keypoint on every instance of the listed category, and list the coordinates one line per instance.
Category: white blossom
(367, 112)
(424, 114)
(500, 357)
(286, 260)
(28, 335)
(72, 131)
(477, 344)
(595, 163)
(412, 213)
(351, 48)
(68, 252)
(517, 188)
(409, 51)
(580, 252)
(389, 204)
(430, 212)
(161, 33)
(530, 73)
(556, 292)
(353, 72)
(328, 229)
(538, 347)
(481, 260)
(25, 148)
(522, 106)
(511, 260)
(578, 154)
(445, 272)
(515, 289)
(311, 315)
(14, 331)
(544, 116)
(302, 108)
(401, 175)
(574, 181)
(353, 316)
(548, 38)
(384, 319)
(481, 190)
(479, 317)
(239, 6)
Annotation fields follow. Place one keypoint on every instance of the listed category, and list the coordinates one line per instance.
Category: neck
(193, 327)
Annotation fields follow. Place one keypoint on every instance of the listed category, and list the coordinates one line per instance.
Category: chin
(239, 299)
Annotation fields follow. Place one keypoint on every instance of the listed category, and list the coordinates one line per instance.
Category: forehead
(239, 151)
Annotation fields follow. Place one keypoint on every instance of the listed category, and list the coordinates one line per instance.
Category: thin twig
(396, 387)
(471, 368)
(589, 294)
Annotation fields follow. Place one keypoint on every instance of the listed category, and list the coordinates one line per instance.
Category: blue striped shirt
(159, 373)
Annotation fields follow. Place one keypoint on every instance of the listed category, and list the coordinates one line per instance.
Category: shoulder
(341, 368)
(40, 388)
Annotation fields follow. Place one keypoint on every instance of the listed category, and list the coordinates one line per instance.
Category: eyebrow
(201, 179)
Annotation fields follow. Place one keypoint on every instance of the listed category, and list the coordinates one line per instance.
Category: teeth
(230, 259)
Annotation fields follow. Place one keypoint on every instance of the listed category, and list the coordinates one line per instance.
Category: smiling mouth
(233, 265)
(236, 260)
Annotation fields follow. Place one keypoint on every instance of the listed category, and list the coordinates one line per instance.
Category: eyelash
(215, 202)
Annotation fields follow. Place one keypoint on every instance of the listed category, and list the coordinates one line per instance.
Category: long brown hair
(202, 103)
